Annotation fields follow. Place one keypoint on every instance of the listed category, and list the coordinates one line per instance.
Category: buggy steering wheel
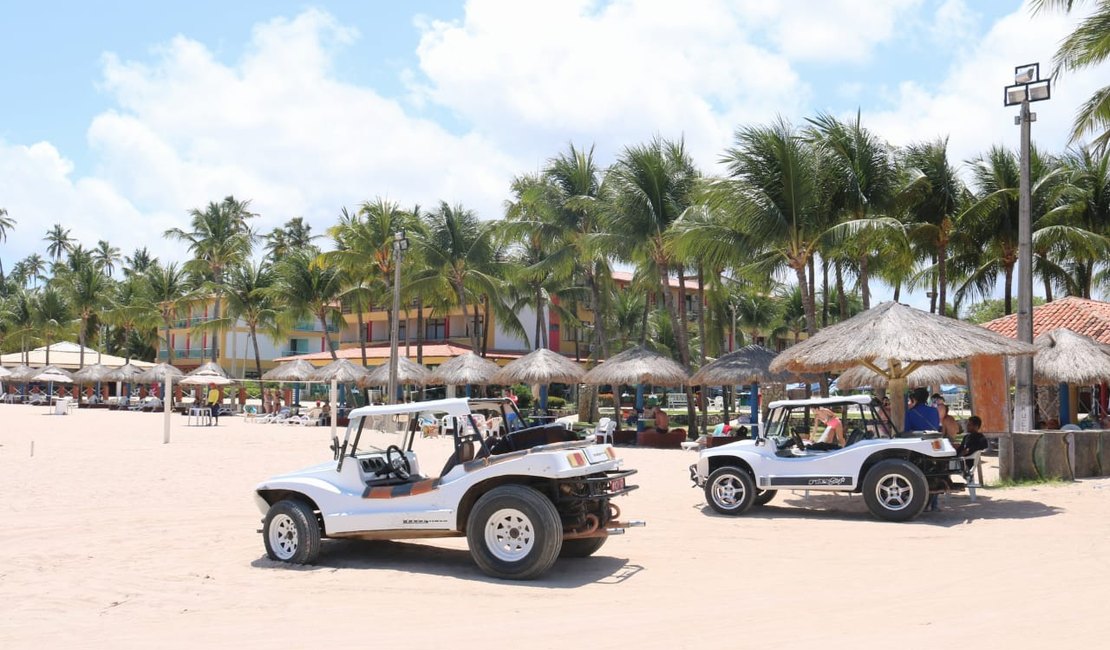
(395, 463)
(798, 442)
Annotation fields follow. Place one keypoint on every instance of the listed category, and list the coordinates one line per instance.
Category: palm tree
(6, 224)
(304, 289)
(35, 267)
(772, 201)
(250, 298)
(138, 262)
(88, 295)
(294, 235)
(132, 310)
(52, 315)
(21, 318)
(219, 239)
(580, 209)
(1084, 204)
(457, 254)
(652, 186)
(935, 207)
(170, 293)
(106, 257)
(59, 240)
(1085, 47)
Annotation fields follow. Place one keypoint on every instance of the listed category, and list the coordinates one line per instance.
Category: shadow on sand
(954, 510)
(416, 557)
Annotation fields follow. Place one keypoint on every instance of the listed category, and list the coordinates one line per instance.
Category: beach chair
(718, 403)
(676, 400)
(973, 472)
(151, 405)
(604, 430)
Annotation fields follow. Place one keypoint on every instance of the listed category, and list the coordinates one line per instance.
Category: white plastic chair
(603, 432)
(973, 472)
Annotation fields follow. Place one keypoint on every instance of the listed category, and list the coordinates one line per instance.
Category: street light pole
(1028, 87)
(399, 245)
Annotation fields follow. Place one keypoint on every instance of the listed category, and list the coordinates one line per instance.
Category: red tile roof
(379, 352)
(1087, 317)
(624, 277)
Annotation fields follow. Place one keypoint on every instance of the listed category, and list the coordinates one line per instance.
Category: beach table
(199, 416)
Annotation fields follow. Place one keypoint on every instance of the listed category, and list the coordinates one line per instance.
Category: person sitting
(833, 437)
(656, 417)
(948, 425)
(974, 440)
(920, 416)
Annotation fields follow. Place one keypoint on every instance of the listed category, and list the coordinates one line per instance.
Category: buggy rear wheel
(514, 533)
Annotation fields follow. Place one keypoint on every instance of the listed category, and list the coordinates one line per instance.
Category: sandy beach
(112, 539)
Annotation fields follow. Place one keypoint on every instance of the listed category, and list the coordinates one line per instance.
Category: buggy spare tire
(895, 490)
(291, 532)
(730, 490)
(514, 533)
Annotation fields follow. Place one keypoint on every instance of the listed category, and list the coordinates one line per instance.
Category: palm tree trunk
(807, 300)
(933, 298)
(942, 271)
(216, 333)
(824, 291)
(644, 321)
(599, 329)
(81, 341)
(864, 283)
(1047, 290)
(462, 305)
(361, 331)
(813, 288)
(841, 299)
(897, 291)
(169, 348)
(327, 335)
(1008, 290)
(257, 356)
(485, 325)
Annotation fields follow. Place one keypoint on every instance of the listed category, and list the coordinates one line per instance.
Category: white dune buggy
(894, 471)
(522, 497)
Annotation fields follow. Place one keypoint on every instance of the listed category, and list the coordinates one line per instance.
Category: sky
(118, 117)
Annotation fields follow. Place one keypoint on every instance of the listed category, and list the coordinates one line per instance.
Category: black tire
(291, 532)
(763, 497)
(582, 547)
(895, 490)
(730, 490)
(514, 533)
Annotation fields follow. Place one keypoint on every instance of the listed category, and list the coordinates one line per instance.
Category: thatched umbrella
(205, 380)
(4, 372)
(465, 369)
(748, 365)
(906, 338)
(210, 368)
(539, 367)
(125, 373)
(23, 373)
(93, 374)
(1064, 357)
(52, 374)
(295, 370)
(341, 370)
(408, 372)
(157, 374)
(638, 365)
(931, 375)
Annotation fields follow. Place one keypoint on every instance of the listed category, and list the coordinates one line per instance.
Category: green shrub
(556, 402)
(523, 396)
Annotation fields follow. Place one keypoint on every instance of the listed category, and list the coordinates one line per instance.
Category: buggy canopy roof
(456, 406)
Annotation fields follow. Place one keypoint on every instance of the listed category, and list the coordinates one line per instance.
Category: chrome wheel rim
(894, 492)
(283, 536)
(510, 535)
(728, 491)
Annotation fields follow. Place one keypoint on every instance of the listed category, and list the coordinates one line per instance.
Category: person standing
(214, 403)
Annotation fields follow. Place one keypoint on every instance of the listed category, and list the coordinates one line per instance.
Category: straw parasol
(53, 374)
(539, 367)
(466, 368)
(23, 373)
(295, 370)
(158, 374)
(91, 374)
(931, 375)
(340, 370)
(4, 372)
(906, 338)
(408, 372)
(749, 364)
(125, 373)
(1064, 357)
(638, 365)
(209, 373)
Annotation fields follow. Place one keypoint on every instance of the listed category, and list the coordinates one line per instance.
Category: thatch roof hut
(125, 373)
(749, 364)
(4, 372)
(209, 373)
(465, 369)
(53, 374)
(158, 374)
(931, 375)
(905, 337)
(295, 370)
(638, 365)
(541, 366)
(210, 368)
(23, 373)
(408, 372)
(1064, 357)
(91, 374)
(341, 370)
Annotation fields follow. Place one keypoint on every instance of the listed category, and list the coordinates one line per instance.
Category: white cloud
(275, 127)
